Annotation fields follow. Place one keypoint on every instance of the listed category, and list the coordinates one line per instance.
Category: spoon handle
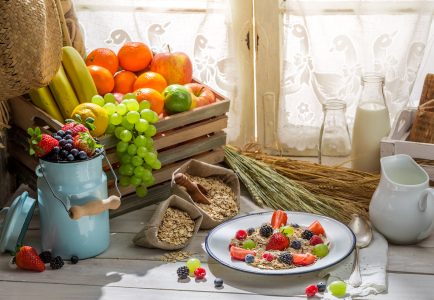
(355, 278)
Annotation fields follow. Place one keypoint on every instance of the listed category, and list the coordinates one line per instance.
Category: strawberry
(279, 219)
(316, 228)
(77, 125)
(41, 144)
(85, 142)
(28, 259)
(303, 259)
(278, 241)
(240, 253)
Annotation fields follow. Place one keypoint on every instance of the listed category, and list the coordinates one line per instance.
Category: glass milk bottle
(334, 136)
(371, 124)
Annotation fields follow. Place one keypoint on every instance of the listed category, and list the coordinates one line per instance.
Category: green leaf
(38, 138)
(32, 152)
(30, 131)
(78, 117)
(38, 131)
(69, 120)
(34, 142)
(90, 120)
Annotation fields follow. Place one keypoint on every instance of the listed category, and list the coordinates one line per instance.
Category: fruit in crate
(200, 95)
(103, 57)
(96, 112)
(63, 93)
(150, 80)
(83, 141)
(41, 144)
(176, 99)
(43, 99)
(134, 56)
(124, 82)
(155, 99)
(102, 78)
(175, 67)
(28, 259)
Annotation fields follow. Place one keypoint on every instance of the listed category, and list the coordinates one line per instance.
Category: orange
(134, 56)
(151, 80)
(103, 57)
(153, 97)
(124, 82)
(103, 79)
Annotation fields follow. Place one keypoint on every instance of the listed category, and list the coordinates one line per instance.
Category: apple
(176, 67)
(200, 94)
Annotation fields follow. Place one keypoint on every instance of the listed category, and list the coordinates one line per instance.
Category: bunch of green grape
(131, 123)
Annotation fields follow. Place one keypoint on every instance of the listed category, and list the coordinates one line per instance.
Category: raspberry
(307, 234)
(321, 287)
(266, 230)
(296, 244)
(285, 258)
(268, 256)
(182, 272)
(241, 235)
(45, 256)
(56, 263)
(315, 240)
(200, 273)
(311, 290)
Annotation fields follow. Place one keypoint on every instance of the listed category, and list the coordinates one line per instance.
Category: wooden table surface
(125, 271)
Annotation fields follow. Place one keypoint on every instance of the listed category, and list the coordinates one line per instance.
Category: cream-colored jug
(402, 207)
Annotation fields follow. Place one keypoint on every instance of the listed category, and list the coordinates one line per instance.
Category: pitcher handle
(423, 204)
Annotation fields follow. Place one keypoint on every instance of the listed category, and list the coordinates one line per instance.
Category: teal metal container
(65, 184)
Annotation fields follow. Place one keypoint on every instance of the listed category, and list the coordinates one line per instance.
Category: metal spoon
(363, 232)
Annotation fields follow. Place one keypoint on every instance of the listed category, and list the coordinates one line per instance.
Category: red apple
(200, 94)
(175, 67)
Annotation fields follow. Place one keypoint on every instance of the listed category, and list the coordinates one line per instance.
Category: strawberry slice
(316, 228)
(303, 259)
(240, 253)
(279, 219)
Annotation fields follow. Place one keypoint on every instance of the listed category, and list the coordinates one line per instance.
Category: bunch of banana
(71, 85)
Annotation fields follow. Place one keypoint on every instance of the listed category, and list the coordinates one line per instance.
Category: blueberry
(56, 150)
(218, 282)
(321, 287)
(82, 155)
(249, 258)
(60, 133)
(62, 143)
(74, 259)
(68, 137)
(70, 141)
(63, 153)
(68, 132)
(70, 157)
(295, 244)
(250, 231)
(295, 225)
(74, 151)
(68, 147)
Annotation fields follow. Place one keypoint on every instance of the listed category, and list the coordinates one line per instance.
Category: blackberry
(74, 259)
(307, 234)
(285, 258)
(218, 282)
(321, 287)
(45, 256)
(266, 230)
(183, 272)
(56, 263)
(250, 231)
(295, 244)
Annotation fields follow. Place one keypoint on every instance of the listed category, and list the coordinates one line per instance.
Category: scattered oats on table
(223, 205)
(176, 228)
(176, 256)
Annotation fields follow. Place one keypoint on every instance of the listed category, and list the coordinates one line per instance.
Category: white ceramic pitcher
(402, 207)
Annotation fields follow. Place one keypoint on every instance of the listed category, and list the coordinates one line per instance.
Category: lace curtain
(329, 44)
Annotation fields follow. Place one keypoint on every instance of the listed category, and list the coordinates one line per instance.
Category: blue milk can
(62, 185)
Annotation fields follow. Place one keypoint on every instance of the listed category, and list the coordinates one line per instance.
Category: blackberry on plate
(295, 244)
(321, 287)
(182, 272)
(250, 231)
(45, 256)
(218, 282)
(266, 230)
(74, 259)
(285, 258)
(307, 234)
(56, 263)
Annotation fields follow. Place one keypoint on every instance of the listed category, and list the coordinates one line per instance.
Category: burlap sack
(75, 34)
(201, 169)
(422, 130)
(147, 237)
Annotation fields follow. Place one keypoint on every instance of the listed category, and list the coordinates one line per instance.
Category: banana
(43, 99)
(63, 93)
(78, 74)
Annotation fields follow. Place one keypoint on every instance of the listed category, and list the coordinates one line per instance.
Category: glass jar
(371, 124)
(334, 136)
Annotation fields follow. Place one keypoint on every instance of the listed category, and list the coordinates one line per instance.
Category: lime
(176, 98)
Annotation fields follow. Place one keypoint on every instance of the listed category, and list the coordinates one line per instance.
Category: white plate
(342, 241)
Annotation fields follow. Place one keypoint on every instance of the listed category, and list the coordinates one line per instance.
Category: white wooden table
(125, 271)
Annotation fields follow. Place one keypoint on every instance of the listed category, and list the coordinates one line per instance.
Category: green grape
(320, 250)
(115, 119)
(149, 182)
(110, 128)
(137, 160)
(135, 180)
(132, 149)
(151, 131)
(144, 104)
(141, 151)
(126, 135)
(139, 171)
(148, 115)
(121, 109)
(98, 100)
(126, 124)
(249, 244)
(124, 181)
(141, 125)
(130, 96)
(147, 175)
(118, 131)
(287, 230)
(110, 108)
(141, 191)
(149, 143)
(150, 158)
(125, 157)
(140, 140)
(156, 165)
(133, 117)
(192, 264)
(338, 288)
(122, 146)
(110, 98)
(128, 169)
(133, 105)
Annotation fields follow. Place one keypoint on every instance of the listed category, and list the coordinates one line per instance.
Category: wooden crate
(194, 134)
(397, 143)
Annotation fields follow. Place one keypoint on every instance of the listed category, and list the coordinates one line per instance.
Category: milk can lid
(16, 222)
